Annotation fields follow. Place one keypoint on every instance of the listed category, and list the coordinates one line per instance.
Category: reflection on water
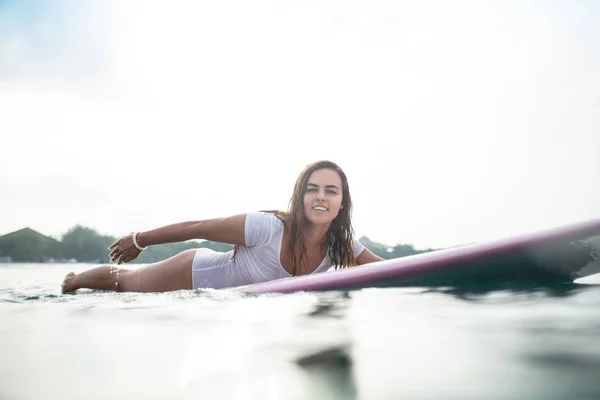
(412, 343)
(330, 372)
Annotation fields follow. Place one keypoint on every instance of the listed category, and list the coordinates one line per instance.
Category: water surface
(410, 343)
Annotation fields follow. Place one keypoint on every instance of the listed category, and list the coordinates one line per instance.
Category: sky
(456, 122)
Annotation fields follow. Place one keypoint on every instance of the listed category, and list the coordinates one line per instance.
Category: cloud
(49, 40)
(455, 121)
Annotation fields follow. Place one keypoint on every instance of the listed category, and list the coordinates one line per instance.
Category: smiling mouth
(319, 208)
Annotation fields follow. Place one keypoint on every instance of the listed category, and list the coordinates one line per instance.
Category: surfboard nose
(576, 259)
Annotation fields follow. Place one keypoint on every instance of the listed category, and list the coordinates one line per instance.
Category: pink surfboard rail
(547, 251)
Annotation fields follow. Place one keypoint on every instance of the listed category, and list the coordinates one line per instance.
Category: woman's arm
(366, 257)
(225, 230)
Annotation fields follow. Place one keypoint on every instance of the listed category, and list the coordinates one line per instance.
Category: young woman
(312, 236)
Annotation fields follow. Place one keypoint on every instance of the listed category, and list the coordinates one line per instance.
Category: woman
(314, 235)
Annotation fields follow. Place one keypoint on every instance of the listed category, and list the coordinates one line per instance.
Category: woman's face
(323, 196)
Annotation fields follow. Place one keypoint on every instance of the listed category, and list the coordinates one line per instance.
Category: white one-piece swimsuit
(258, 261)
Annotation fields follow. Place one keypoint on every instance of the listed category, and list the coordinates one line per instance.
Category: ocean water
(393, 343)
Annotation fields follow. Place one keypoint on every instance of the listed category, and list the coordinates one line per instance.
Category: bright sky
(455, 121)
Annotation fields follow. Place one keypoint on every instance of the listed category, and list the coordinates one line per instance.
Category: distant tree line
(84, 244)
(389, 252)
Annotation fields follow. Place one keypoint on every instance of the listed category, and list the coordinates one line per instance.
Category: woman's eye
(331, 192)
(311, 190)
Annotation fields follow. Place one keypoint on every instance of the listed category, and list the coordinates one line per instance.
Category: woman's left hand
(123, 250)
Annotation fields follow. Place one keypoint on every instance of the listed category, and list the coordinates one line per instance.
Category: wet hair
(340, 235)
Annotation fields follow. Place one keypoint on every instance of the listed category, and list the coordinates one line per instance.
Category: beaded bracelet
(136, 244)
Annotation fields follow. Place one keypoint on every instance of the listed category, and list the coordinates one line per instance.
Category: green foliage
(163, 251)
(29, 245)
(387, 252)
(86, 245)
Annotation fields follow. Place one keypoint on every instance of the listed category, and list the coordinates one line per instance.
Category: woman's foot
(68, 286)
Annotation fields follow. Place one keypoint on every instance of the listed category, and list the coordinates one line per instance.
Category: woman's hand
(123, 250)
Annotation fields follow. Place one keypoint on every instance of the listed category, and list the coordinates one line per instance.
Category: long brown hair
(340, 234)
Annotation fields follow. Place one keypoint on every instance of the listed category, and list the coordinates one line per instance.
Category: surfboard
(551, 256)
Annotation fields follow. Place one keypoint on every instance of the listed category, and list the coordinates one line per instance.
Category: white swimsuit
(258, 261)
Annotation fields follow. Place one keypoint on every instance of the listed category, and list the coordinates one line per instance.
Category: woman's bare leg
(101, 278)
(174, 273)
